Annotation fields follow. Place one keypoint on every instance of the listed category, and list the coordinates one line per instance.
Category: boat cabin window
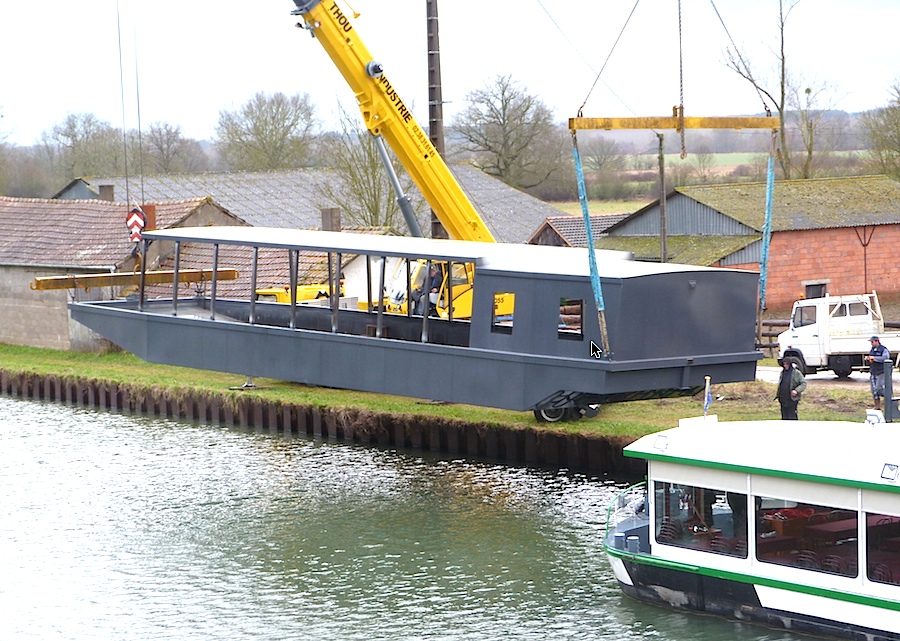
(571, 318)
(883, 548)
(701, 518)
(815, 537)
(504, 304)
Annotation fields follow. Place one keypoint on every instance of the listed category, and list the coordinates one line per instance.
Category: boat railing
(627, 504)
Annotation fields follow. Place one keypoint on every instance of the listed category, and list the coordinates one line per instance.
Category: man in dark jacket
(790, 387)
(878, 356)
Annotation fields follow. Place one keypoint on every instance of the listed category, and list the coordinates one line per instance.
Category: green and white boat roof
(833, 452)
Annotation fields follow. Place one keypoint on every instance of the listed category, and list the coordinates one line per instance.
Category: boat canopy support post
(175, 278)
(293, 258)
(253, 273)
(426, 301)
(334, 275)
(146, 246)
(215, 283)
(379, 325)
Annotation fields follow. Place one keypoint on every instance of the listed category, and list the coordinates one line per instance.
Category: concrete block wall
(38, 318)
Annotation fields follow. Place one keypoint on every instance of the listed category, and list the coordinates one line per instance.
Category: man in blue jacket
(878, 356)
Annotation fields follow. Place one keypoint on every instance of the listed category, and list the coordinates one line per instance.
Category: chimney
(107, 192)
(331, 219)
(150, 213)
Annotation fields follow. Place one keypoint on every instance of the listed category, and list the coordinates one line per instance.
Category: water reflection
(123, 527)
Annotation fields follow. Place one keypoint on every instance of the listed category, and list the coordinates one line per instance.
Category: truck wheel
(551, 415)
(842, 373)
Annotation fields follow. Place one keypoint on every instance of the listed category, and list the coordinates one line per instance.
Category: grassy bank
(733, 401)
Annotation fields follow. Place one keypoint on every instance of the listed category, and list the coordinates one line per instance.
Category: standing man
(878, 356)
(790, 387)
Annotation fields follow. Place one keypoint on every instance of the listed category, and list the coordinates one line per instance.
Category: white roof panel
(520, 258)
(819, 451)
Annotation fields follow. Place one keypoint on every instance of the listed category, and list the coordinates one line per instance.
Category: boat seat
(835, 563)
(809, 559)
(881, 572)
(668, 532)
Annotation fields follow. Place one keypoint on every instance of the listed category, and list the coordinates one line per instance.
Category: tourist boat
(668, 326)
(794, 525)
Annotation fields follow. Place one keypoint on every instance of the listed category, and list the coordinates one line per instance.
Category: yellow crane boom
(386, 114)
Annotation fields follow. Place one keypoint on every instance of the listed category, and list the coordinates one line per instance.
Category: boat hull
(438, 370)
(745, 600)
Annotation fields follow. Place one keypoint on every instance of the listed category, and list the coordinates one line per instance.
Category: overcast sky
(189, 59)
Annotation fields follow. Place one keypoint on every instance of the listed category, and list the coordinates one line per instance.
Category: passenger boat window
(571, 318)
(814, 537)
(883, 548)
(504, 304)
(701, 518)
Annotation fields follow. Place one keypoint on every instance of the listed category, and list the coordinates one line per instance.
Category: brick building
(832, 235)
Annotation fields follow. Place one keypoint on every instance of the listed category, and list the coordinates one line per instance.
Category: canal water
(122, 527)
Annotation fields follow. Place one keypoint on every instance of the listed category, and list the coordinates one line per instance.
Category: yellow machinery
(385, 114)
(304, 293)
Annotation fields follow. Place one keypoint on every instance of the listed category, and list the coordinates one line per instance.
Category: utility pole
(435, 99)
(663, 230)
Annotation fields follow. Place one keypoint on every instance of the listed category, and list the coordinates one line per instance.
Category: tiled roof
(571, 228)
(806, 204)
(76, 233)
(294, 198)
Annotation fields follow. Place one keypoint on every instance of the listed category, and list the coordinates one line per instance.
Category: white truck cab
(833, 332)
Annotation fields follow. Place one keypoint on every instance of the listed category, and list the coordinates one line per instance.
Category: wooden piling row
(577, 453)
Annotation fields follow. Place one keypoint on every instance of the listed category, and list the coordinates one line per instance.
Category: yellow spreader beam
(86, 281)
(675, 122)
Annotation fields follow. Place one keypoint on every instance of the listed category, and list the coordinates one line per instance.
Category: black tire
(551, 415)
(573, 414)
(590, 411)
(842, 373)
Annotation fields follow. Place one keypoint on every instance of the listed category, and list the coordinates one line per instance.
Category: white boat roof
(833, 452)
(533, 259)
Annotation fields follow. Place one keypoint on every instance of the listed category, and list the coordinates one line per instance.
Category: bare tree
(703, 161)
(882, 128)
(165, 150)
(83, 145)
(363, 190)
(511, 134)
(268, 132)
(737, 61)
(601, 153)
(818, 135)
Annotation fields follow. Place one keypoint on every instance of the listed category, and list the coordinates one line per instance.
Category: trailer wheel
(551, 415)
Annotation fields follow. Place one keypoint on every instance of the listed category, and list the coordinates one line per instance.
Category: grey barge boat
(669, 326)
